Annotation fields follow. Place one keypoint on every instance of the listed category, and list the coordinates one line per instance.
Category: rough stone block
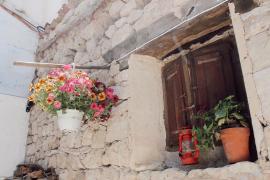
(122, 92)
(81, 58)
(74, 162)
(263, 89)
(71, 140)
(122, 76)
(151, 14)
(99, 138)
(142, 3)
(79, 43)
(134, 16)
(52, 161)
(114, 69)
(93, 174)
(119, 23)
(122, 34)
(115, 123)
(31, 150)
(127, 175)
(267, 139)
(71, 175)
(93, 50)
(172, 174)
(115, 8)
(105, 45)
(61, 160)
(145, 175)
(172, 159)
(117, 154)
(127, 8)
(93, 159)
(110, 173)
(109, 33)
(258, 47)
(87, 137)
(53, 142)
(88, 32)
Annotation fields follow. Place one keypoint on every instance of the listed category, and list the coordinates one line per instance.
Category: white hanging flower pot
(69, 119)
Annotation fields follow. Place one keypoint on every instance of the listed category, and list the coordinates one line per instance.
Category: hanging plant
(64, 91)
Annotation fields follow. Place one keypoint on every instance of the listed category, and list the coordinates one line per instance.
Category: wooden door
(212, 75)
(174, 88)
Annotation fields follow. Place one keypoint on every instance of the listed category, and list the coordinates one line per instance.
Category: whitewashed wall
(13, 128)
(17, 43)
(39, 12)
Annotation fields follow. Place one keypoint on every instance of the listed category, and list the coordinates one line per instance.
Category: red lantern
(188, 147)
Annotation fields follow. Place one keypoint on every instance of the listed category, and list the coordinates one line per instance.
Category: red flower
(94, 106)
(109, 93)
(115, 99)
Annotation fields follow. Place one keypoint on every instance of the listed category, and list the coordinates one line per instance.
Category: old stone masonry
(101, 32)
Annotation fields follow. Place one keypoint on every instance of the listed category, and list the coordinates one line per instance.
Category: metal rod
(52, 65)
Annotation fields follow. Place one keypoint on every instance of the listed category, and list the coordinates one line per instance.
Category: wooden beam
(52, 65)
(205, 23)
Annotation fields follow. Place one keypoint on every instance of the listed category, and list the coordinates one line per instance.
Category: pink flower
(62, 88)
(70, 89)
(89, 84)
(57, 105)
(101, 109)
(67, 67)
(51, 96)
(109, 93)
(109, 90)
(81, 81)
(94, 106)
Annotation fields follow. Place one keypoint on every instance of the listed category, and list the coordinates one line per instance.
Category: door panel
(213, 75)
(175, 100)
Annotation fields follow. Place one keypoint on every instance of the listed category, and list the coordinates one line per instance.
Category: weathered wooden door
(212, 75)
(174, 88)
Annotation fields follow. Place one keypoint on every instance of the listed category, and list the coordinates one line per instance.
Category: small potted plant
(233, 128)
(72, 95)
(225, 122)
(206, 133)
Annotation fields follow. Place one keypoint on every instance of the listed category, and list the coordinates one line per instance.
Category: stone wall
(94, 32)
(252, 34)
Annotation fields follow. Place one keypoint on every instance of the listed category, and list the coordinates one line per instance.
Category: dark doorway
(214, 73)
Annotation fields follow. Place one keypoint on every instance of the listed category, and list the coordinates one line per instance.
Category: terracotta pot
(236, 144)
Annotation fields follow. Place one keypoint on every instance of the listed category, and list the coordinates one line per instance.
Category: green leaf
(221, 121)
(220, 114)
(244, 123)
(237, 116)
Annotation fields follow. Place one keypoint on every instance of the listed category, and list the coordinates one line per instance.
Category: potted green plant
(225, 122)
(233, 128)
(205, 134)
(72, 94)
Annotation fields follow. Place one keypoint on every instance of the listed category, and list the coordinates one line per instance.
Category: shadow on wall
(17, 43)
(243, 6)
